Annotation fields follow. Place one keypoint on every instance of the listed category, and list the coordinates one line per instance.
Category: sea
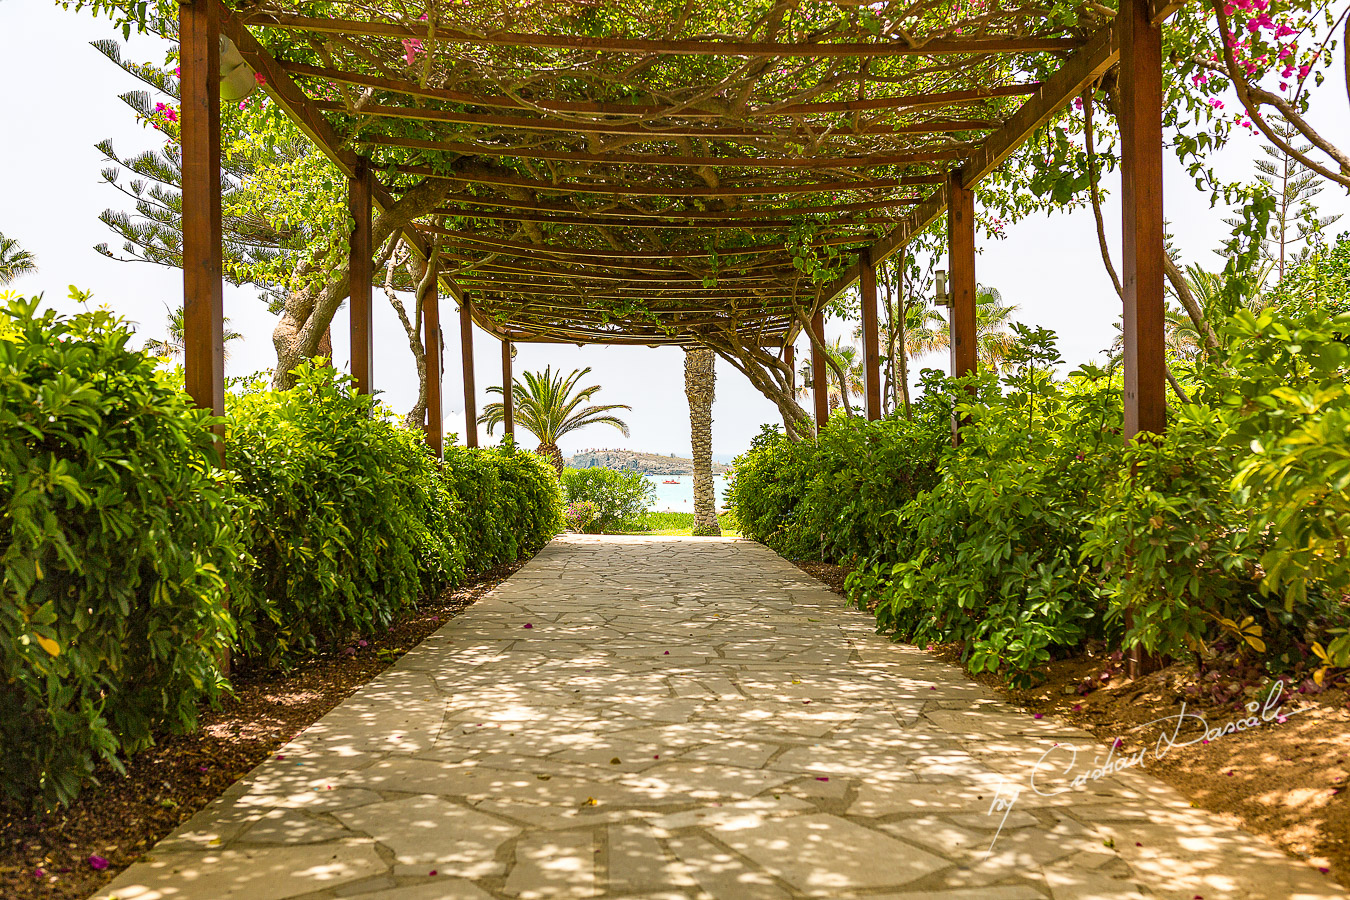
(679, 497)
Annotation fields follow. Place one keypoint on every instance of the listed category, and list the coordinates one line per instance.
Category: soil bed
(1287, 781)
(53, 855)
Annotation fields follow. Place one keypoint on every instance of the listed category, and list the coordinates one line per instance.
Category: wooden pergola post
(466, 357)
(431, 345)
(867, 287)
(819, 379)
(1142, 232)
(961, 275)
(508, 392)
(203, 299)
(360, 264)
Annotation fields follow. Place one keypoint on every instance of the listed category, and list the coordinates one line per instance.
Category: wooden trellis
(660, 171)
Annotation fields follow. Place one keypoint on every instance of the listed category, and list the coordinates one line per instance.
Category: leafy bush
(620, 498)
(512, 504)
(116, 544)
(580, 515)
(835, 498)
(994, 555)
(348, 522)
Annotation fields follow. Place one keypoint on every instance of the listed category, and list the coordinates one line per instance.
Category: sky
(63, 100)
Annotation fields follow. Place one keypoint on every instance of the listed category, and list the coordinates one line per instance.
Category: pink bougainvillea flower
(411, 47)
(97, 862)
(822, 778)
(1303, 71)
(260, 78)
(1284, 31)
(1039, 716)
(1283, 86)
(528, 625)
(177, 72)
(39, 873)
(1077, 102)
(1215, 102)
(1078, 707)
(1199, 79)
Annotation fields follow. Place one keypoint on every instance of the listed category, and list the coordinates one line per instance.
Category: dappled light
(692, 718)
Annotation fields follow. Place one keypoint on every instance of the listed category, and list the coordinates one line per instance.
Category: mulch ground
(54, 855)
(1287, 781)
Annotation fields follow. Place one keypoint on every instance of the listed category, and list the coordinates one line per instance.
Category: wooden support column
(431, 345)
(867, 287)
(470, 393)
(361, 261)
(961, 275)
(1142, 233)
(203, 300)
(819, 379)
(508, 392)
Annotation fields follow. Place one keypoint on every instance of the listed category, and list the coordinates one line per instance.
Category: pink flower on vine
(1303, 71)
(177, 72)
(411, 47)
(1078, 103)
(1284, 31)
(1228, 9)
(1215, 103)
(260, 78)
(1199, 79)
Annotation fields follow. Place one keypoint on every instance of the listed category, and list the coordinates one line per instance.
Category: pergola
(664, 172)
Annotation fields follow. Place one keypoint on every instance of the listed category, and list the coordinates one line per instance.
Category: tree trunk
(319, 287)
(700, 387)
(553, 454)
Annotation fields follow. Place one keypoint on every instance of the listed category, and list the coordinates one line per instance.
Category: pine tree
(1294, 186)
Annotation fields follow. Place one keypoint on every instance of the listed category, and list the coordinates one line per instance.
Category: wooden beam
(748, 211)
(1084, 67)
(642, 129)
(512, 261)
(203, 299)
(620, 189)
(466, 359)
(296, 104)
(496, 242)
(841, 162)
(602, 219)
(1142, 227)
(361, 261)
(654, 278)
(810, 108)
(867, 288)
(879, 49)
(508, 392)
(820, 381)
(432, 348)
(961, 276)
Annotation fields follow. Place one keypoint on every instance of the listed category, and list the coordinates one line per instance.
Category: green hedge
(619, 498)
(131, 565)
(1043, 528)
(116, 542)
(835, 498)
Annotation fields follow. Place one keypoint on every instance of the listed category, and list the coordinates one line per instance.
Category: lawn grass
(676, 523)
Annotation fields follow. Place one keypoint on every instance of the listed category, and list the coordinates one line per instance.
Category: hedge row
(130, 564)
(1044, 527)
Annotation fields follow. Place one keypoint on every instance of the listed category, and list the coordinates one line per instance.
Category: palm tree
(549, 406)
(700, 386)
(175, 345)
(849, 359)
(993, 341)
(14, 260)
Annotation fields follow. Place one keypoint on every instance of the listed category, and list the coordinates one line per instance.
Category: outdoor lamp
(942, 298)
(236, 77)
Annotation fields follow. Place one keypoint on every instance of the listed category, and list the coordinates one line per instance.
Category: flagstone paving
(670, 719)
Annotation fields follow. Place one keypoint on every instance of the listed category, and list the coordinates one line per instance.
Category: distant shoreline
(634, 461)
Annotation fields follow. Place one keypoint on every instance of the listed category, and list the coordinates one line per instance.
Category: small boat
(671, 481)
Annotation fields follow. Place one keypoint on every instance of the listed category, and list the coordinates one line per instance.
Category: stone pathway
(669, 719)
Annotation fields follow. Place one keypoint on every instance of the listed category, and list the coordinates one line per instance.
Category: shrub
(835, 498)
(512, 503)
(580, 515)
(994, 556)
(620, 498)
(116, 543)
(348, 522)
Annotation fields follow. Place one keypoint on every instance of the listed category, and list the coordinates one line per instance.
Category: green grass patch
(675, 523)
